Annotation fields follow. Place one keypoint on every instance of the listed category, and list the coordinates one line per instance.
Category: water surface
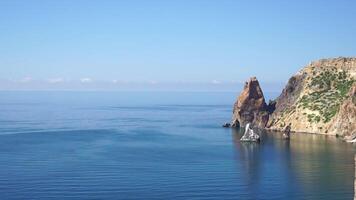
(156, 145)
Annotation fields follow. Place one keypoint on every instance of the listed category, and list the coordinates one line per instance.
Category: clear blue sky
(168, 42)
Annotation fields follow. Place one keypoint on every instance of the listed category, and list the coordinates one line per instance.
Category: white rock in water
(351, 138)
(250, 135)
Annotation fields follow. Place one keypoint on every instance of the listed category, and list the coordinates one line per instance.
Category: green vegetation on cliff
(329, 89)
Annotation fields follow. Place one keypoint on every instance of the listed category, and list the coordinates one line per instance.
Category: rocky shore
(320, 98)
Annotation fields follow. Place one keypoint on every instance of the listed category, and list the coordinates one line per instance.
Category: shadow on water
(306, 166)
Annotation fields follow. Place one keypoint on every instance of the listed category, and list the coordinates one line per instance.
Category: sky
(167, 45)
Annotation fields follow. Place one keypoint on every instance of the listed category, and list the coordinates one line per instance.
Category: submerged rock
(286, 134)
(350, 138)
(226, 125)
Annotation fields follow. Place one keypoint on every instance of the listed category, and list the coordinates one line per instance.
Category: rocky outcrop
(226, 125)
(250, 135)
(250, 106)
(320, 98)
(289, 96)
(314, 99)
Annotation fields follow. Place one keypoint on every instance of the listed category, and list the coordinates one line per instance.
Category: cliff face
(320, 98)
(250, 106)
(344, 123)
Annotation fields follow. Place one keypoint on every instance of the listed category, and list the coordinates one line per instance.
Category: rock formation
(250, 106)
(250, 135)
(320, 98)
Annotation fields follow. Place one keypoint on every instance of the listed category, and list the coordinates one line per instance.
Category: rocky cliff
(320, 98)
(344, 123)
(250, 107)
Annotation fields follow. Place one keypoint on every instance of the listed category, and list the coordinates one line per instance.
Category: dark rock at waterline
(226, 125)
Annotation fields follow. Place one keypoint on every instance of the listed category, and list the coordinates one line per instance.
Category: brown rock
(250, 106)
(290, 93)
(344, 123)
(288, 97)
(317, 99)
(320, 98)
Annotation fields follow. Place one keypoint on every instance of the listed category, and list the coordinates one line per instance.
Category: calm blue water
(156, 145)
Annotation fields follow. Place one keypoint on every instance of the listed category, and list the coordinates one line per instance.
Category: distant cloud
(26, 79)
(86, 80)
(215, 82)
(30, 83)
(153, 82)
(55, 80)
(235, 81)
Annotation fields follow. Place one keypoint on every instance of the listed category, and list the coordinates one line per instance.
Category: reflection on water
(313, 166)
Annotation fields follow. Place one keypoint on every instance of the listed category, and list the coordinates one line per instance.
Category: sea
(157, 145)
